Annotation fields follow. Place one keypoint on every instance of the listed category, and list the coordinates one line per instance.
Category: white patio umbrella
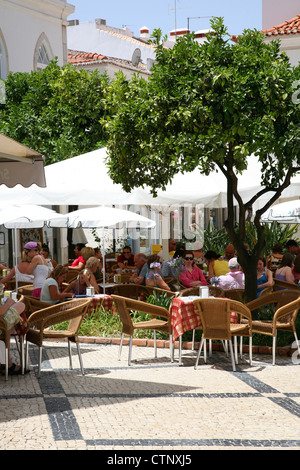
(29, 216)
(285, 213)
(107, 217)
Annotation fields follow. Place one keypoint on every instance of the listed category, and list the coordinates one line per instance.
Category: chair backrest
(32, 304)
(215, 317)
(279, 284)
(126, 305)
(26, 290)
(278, 298)
(72, 311)
(189, 291)
(287, 314)
(126, 290)
(235, 294)
(71, 275)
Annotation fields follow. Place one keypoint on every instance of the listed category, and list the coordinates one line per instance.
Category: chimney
(144, 32)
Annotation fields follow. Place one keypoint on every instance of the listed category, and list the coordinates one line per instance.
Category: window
(43, 53)
(43, 58)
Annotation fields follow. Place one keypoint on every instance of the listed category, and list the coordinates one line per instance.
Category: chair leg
(40, 361)
(6, 363)
(180, 351)
(232, 355)
(120, 347)
(235, 349)
(171, 348)
(80, 358)
(205, 351)
(155, 347)
(250, 350)
(274, 350)
(210, 347)
(199, 352)
(70, 355)
(297, 342)
(130, 350)
(193, 341)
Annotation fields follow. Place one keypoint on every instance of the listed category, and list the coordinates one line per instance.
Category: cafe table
(184, 318)
(98, 300)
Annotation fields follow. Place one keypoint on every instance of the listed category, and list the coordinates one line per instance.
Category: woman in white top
(52, 288)
(19, 272)
(38, 267)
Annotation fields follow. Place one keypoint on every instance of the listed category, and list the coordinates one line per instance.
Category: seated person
(264, 275)
(79, 262)
(78, 286)
(89, 273)
(153, 278)
(15, 308)
(217, 266)
(140, 262)
(234, 279)
(292, 247)
(45, 252)
(295, 270)
(52, 289)
(284, 271)
(126, 259)
(274, 259)
(19, 272)
(191, 275)
(172, 266)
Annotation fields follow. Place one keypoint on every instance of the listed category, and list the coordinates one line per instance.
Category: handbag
(11, 318)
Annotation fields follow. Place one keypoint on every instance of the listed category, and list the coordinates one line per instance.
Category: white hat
(233, 263)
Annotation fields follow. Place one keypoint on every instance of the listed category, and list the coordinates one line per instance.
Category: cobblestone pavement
(153, 404)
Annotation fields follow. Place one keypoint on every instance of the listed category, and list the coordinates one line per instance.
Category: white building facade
(32, 33)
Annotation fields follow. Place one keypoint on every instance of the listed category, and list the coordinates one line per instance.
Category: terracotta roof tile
(288, 27)
(82, 57)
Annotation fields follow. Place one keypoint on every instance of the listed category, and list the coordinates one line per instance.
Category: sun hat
(30, 246)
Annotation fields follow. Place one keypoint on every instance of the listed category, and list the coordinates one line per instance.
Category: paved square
(153, 404)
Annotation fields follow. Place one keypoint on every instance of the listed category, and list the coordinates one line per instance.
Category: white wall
(275, 12)
(21, 25)
(88, 38)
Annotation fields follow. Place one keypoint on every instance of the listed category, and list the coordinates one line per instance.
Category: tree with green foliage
(209, 106)
(55, 111)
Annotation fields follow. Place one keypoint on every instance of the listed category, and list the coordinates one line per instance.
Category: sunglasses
(189, 258)
(126, 252)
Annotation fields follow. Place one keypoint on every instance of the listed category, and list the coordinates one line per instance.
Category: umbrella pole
(16, 256)
(103, 257)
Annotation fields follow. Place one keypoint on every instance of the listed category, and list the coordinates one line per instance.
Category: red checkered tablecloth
(184, 318)
(102, 299)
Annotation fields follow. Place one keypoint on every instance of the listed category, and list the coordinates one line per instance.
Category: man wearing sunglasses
(126, 259)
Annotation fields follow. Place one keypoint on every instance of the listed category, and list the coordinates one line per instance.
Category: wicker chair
(279, 285)
(26, 290)
(287, 304)
(215, 319)
(126, 305)
(72, 311)
(131, 291)
(32, 304)
(213, 290)
(235, 294)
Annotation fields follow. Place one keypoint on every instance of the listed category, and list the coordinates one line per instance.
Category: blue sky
(238, 14)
